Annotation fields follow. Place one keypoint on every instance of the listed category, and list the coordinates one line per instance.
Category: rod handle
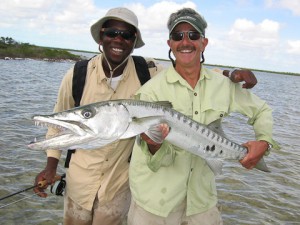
(44, 182)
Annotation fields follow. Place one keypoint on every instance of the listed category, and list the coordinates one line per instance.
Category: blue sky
(259, 34)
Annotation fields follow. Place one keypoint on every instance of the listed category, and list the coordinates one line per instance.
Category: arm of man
(256, 150)
(64, 101)
(47, 174)
(240, 75)
(260, 117)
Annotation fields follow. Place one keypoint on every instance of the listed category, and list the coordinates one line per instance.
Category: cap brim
(185, 21)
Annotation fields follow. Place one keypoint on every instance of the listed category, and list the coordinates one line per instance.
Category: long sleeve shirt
(160, 182)
(102, 171)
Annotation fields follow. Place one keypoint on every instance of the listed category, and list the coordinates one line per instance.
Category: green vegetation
(12, 49)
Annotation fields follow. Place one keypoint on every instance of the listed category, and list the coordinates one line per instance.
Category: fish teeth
(44, 124)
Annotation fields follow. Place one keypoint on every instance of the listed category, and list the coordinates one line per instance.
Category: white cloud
(155, 17)
(153, 25)
(292, 5)
(293, 47)
(248, 34)
(48, 16)
(66, 24)
(246, 44)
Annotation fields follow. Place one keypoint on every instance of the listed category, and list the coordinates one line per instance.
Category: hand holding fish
(98, 124)
(153, 146)
(256, 150)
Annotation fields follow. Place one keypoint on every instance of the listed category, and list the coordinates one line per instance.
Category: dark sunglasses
(113, 33)
(178, 36)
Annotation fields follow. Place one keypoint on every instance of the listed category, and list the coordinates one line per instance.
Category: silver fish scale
(211, 143)
(120, 119)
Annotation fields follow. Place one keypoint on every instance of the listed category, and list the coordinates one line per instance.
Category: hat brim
(186, 21)
(96, 27)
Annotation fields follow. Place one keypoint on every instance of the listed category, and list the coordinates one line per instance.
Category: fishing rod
(3, 206)
(39, 184)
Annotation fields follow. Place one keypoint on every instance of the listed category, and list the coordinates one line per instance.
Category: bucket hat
(122, 14)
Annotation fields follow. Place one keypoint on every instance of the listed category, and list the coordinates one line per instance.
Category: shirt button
(102, 174)
(195, 94)
(106, 160)
(221, 115)
(196, 112)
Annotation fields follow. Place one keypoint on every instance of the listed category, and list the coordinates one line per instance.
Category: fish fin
(216, 126)
(215, 165)
(166, 104)
(261, 165)
(155, 134)
(140, 125)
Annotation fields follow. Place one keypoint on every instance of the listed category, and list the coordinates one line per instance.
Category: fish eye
(87, 113)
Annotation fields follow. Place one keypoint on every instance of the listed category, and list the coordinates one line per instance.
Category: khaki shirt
(102, 171)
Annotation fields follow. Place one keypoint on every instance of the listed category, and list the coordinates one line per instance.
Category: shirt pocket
(212, 111)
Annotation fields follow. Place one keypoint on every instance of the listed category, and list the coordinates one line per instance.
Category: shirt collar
(173, 76)
(127, 70)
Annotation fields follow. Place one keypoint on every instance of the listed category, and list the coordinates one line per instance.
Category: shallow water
(30, 87)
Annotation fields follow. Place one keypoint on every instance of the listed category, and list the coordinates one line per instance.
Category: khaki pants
(112, 213)
(139, 216)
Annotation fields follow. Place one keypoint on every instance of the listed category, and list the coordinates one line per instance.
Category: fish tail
(261, 165)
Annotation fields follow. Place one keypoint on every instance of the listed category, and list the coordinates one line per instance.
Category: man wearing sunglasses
(97, 189)
(170, 186)
(97, 180)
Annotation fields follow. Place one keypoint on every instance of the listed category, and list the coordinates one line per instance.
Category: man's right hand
(243, 75)
(152, 145)
(48, 175)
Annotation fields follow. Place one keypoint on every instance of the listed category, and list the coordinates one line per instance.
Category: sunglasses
(113, 33)
(178, 36)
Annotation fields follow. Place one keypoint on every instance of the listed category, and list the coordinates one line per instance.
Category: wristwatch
(267, 152)
(269, 146)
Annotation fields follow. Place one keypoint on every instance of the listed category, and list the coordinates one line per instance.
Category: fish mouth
(63, 126)
(65, 129)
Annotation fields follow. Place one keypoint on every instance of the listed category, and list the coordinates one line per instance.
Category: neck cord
(111, 71)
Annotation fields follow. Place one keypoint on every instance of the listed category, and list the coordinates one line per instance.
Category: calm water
(246, 197)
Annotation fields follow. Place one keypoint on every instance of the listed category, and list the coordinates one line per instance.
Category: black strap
(78, 82)
(79, 75)
(80, 69)
(68, 157)
(142, 69)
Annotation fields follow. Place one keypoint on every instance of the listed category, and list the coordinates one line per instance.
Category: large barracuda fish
(98, 124)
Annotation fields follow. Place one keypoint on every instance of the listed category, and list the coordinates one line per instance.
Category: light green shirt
(160, 182)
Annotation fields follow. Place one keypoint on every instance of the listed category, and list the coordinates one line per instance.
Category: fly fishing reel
(58, 188)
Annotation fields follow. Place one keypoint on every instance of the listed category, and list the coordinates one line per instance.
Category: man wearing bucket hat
(97, 180)
(170, 186)
(97, 190)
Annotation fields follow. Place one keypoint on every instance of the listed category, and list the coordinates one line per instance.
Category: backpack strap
(78, 82)
(79, 75)
(141, 67)
(80, 69)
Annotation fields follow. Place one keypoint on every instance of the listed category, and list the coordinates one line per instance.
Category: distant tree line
(13, 49)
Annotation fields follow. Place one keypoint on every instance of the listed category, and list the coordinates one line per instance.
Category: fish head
(100, 122)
